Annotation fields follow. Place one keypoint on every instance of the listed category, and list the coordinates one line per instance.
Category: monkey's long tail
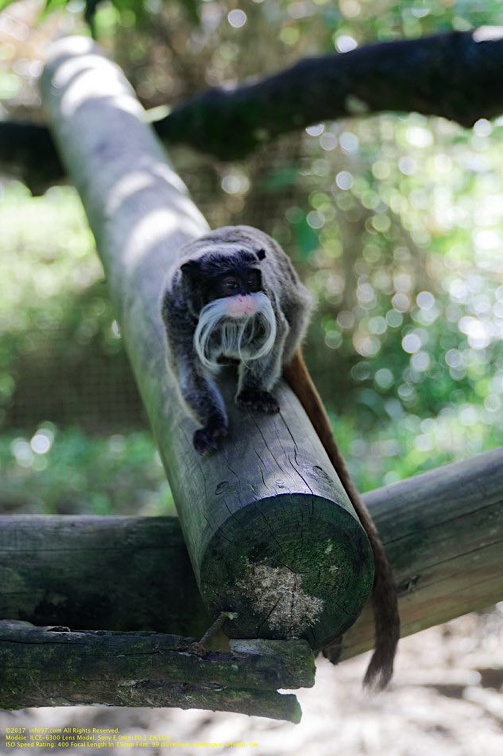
(384, 596)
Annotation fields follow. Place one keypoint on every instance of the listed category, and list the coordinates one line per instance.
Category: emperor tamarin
(235, 297)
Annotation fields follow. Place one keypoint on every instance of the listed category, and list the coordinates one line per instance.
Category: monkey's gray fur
(261, 342)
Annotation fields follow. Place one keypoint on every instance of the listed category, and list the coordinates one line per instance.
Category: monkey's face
(235, 317)
(241, 281)
(223, 275)
(236, 287)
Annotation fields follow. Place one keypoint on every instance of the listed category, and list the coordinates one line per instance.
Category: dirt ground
(445, 700)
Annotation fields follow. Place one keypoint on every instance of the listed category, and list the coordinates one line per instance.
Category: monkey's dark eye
(254, 281)
(229, 286)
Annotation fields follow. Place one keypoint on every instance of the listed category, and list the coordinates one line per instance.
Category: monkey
(235, 297)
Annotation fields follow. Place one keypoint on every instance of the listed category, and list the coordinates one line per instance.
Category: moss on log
(52, 666)
(99, 573)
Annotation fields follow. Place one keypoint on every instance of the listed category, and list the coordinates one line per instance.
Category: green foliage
(131, 9)
(54, 471)
(62, 362)
(60, 353)
(421, 309)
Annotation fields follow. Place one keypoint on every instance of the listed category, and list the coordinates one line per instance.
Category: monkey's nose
(241, 305)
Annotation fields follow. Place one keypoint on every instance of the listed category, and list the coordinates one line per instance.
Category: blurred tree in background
(394, 221)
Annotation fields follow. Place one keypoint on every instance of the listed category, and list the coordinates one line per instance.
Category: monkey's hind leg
(256, 378)
(208, 437)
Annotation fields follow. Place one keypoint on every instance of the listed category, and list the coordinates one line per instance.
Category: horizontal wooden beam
(51, 666)
(99, 573)
(443, 531)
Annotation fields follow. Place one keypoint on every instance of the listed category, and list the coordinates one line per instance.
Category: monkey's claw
(207, 439)
(262, 401)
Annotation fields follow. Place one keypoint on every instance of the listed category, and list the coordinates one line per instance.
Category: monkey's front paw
(262, 401)
(207, 439)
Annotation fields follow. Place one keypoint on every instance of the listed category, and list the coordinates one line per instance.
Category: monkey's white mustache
(238, 327)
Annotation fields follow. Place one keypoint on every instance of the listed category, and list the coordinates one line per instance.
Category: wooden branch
(51, 666)
(99, 573)
(454, 75)
(269, 528)
(28, 152)
(443, 531)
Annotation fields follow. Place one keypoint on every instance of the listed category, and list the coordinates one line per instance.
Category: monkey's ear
(190, 268)
(261, 254)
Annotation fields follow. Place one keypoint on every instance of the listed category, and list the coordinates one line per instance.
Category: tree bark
(99, 573)
(50, 666)
(28, 152)
(454, 75)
